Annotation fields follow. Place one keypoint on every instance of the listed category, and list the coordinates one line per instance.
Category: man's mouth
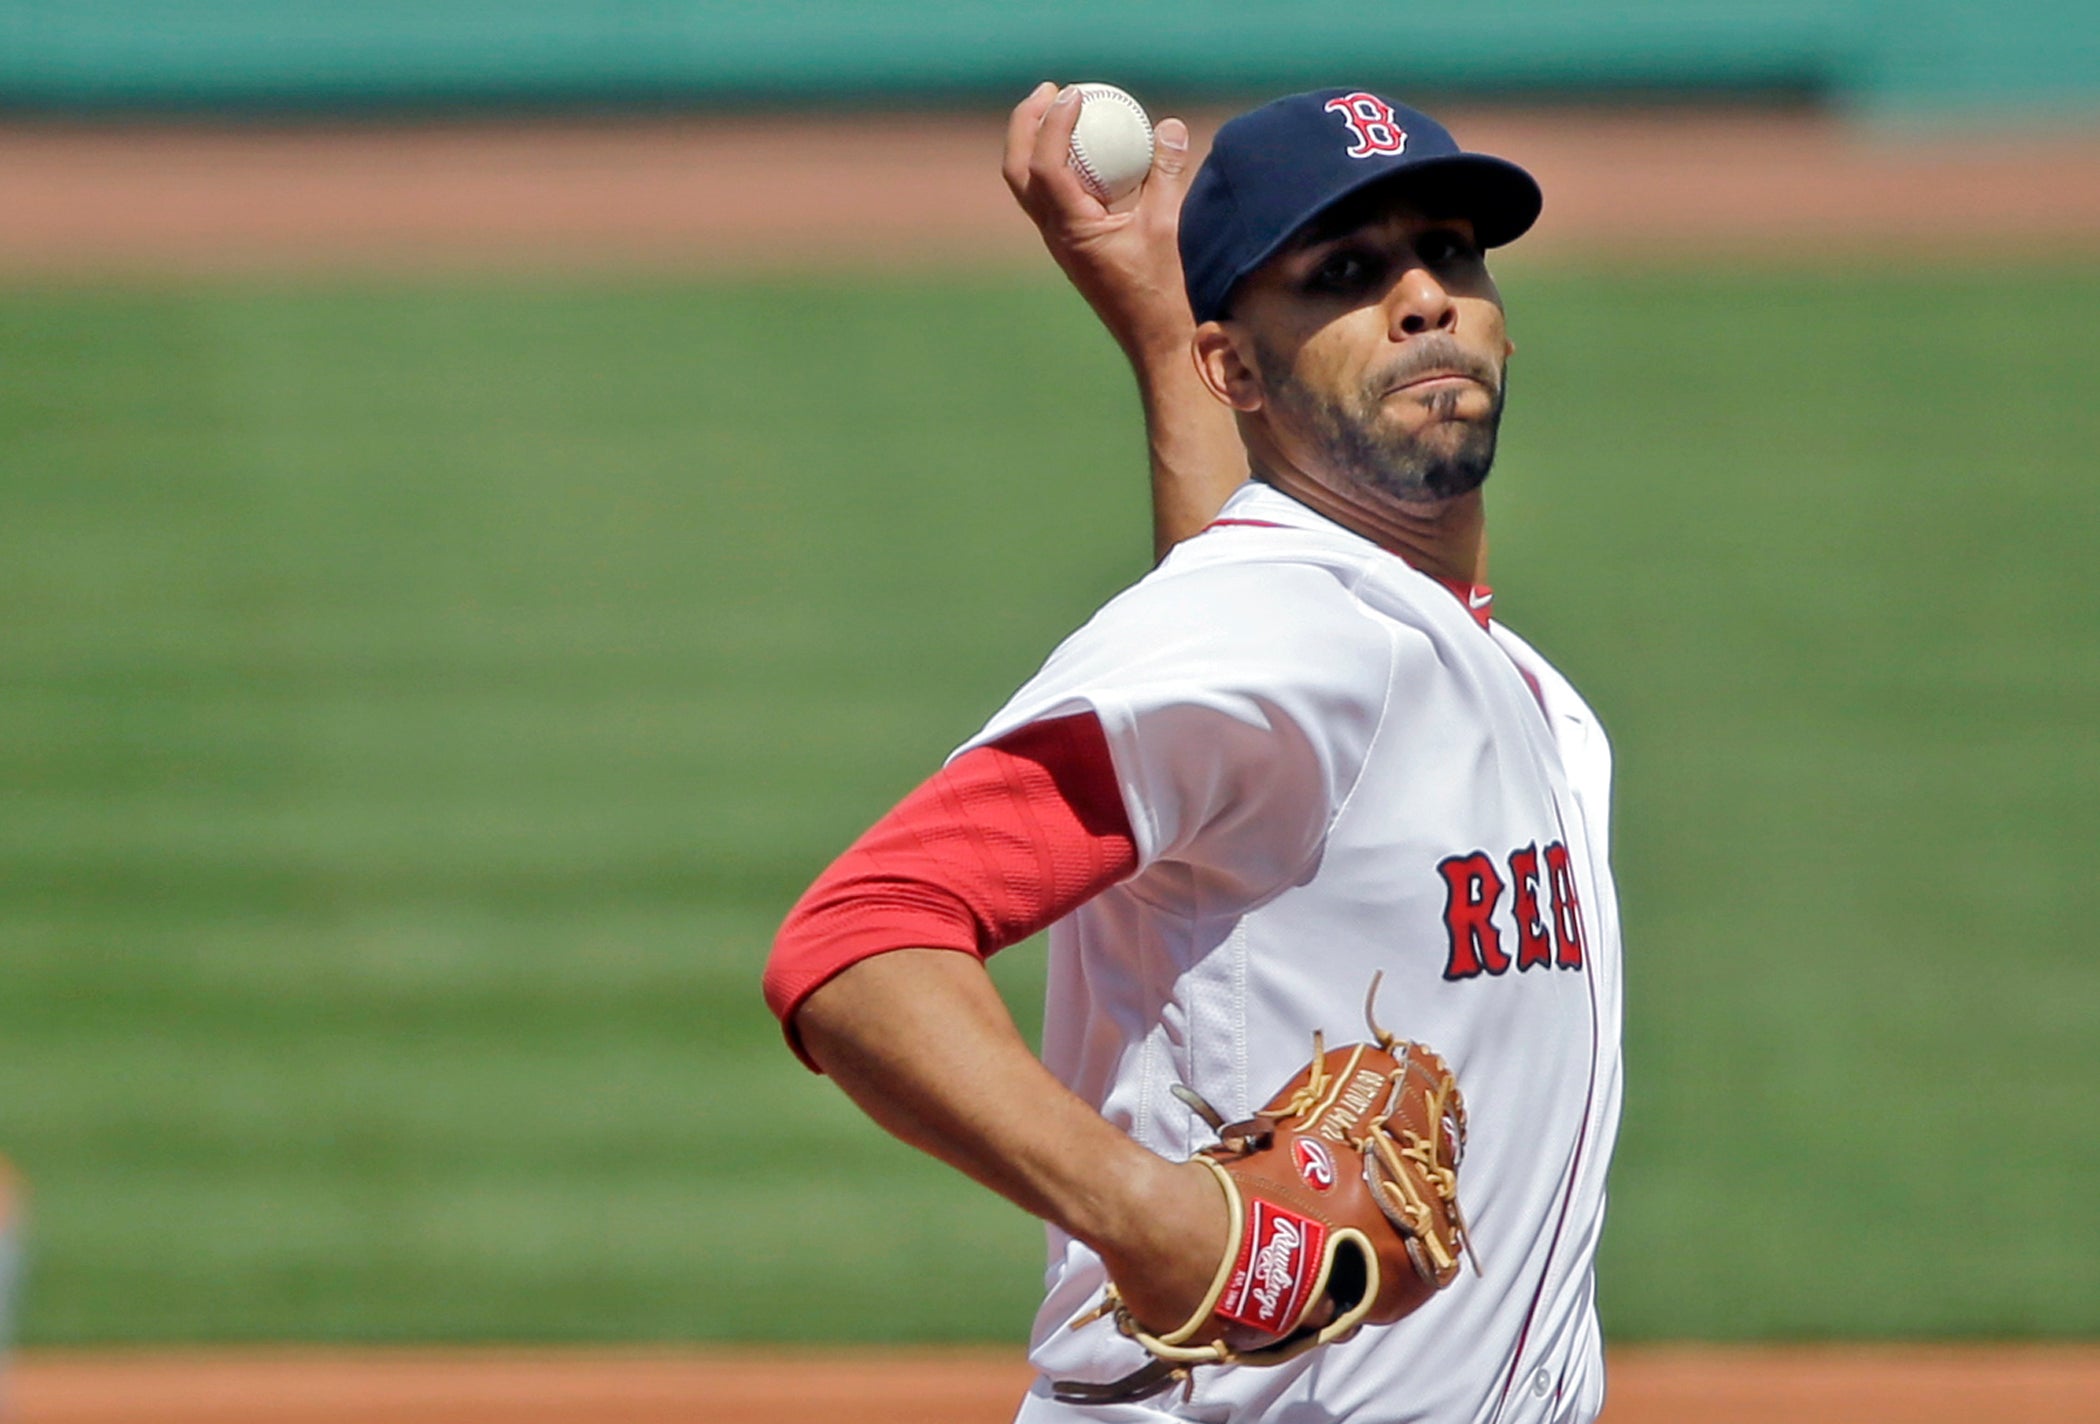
(1430, 382)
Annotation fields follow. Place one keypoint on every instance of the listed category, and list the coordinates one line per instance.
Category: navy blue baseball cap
(1274, 169)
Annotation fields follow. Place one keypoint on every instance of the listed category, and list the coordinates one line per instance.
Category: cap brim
(1500, 199)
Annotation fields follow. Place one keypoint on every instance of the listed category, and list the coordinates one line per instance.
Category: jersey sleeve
(995, 847)
(1239, 704)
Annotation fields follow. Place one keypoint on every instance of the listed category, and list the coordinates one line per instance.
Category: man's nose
(1418, 303)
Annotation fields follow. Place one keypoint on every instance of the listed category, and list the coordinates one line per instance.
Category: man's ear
(1228, 373)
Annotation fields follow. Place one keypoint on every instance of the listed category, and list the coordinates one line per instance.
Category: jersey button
(1541, 1383)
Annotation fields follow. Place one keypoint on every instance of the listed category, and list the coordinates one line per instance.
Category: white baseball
(1112, 142)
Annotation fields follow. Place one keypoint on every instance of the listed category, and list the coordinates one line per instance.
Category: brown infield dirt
(886, 192)
(1676, 1384)
(890, 190)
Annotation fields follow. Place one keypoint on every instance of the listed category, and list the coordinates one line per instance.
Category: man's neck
(1446, 539)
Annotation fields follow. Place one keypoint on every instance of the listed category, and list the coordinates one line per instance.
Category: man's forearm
(1196, 455)
(921, 1041)
(1126, 266)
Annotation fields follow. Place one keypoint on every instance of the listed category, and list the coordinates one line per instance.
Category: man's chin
(1456, 480)
(1432, 470)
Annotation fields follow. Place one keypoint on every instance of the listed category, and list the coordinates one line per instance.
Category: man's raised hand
(1124, 263)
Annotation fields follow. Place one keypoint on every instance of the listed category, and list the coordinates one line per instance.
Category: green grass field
(420, 703)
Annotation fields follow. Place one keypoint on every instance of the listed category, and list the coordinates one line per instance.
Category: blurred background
(492, 497)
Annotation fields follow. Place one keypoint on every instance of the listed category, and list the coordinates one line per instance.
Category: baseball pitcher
(1330, 1071)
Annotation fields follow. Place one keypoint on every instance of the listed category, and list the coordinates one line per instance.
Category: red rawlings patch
(1315, 1163)
(1279, 1258)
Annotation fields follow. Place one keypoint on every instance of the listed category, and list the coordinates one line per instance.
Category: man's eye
(1442, 249)
(1344, 273)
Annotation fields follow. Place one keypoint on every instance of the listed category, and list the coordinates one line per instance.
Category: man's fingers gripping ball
(1022, 128)
(1074, 151)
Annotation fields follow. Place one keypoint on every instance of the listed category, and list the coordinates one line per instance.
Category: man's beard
(1446, 459)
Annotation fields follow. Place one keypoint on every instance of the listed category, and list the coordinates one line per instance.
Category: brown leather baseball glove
(1343, 1201)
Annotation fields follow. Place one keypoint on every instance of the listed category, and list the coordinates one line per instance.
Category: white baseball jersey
(1331, 769)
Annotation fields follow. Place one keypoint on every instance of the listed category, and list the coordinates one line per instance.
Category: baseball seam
(1077, 156)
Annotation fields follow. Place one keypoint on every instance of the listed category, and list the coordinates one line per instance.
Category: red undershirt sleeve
(1001, 843)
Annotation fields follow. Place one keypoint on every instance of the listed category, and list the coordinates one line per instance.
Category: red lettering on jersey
(1371, 120)
(1567, 910)
(1534, 940)
(1472, 889)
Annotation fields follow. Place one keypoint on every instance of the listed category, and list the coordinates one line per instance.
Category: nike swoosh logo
(1476, 599)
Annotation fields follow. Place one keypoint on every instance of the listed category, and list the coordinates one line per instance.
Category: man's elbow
(845, 919)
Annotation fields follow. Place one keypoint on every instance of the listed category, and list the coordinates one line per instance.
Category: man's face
(1376, 350)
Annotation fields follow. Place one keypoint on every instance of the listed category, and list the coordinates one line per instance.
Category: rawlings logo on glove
(1270, 1291)
(1342, 1195)
(1315, 1164)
